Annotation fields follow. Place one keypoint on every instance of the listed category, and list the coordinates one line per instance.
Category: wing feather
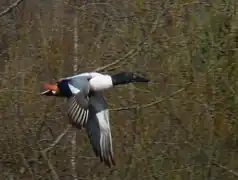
(98, 129)
(77, 105)
(78, 110)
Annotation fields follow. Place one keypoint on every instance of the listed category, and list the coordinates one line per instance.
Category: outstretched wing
(98, 128)
(78, 110)
(77, 105)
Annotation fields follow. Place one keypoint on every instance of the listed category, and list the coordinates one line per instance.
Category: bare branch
(213, 162)
(84, 7)
(235, 173)
(58, 139)
(186, 168)
(26, 164)
(53, 172)
(152, 103)
(73, 155)
(131, 52)
(8, 9)
(137, 49)
(45, 44)
(75, 68)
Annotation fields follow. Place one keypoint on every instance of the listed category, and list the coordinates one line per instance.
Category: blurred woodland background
(183, 126)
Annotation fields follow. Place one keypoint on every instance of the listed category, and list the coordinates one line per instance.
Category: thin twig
(53, 172)
(8, 9)
(127, 55)
(86, 6)
(75, 68)
(26, 164)
(58, 139)
(138, 46)
(45, 44)
(235, 173)
(213, 162)
(133, 51)
(115, 65)
(152, 103)
(73, 155)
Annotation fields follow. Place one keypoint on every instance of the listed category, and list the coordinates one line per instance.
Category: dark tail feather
(128, 77)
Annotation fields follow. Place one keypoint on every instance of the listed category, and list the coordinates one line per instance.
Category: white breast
(100, 82)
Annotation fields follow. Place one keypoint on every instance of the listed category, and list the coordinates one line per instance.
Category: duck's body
(87, 107)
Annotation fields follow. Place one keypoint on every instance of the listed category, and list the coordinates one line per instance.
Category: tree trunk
(75, 68)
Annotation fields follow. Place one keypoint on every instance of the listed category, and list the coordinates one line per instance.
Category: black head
(127, 77)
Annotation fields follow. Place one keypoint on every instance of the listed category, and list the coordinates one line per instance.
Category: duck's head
(51, 90)
(61, 88)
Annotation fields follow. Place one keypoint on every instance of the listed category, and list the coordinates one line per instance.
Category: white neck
(101, 82)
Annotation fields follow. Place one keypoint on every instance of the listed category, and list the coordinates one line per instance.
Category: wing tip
(110, 164)
(107, 162)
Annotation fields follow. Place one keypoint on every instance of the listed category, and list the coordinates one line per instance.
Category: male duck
(87, 108)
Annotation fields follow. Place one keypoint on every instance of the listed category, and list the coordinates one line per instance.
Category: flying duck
(87, 108)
